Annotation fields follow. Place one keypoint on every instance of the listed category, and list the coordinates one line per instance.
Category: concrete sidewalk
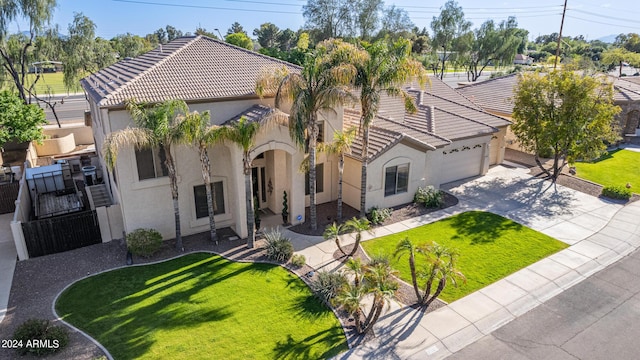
(599, 232)
(8, 258)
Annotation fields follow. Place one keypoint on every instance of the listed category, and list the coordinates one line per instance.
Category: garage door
(457, 165)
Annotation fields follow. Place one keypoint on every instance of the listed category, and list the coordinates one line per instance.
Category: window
(320, 131)
(150, 163)
(319, 180)
(200, 196)
(396, 179)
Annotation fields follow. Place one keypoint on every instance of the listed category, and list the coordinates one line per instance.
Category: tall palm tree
(387, 68)
(405, 246)
(318, 86)
(161, 125)
(202, 135)
(243, 133)
(379, 280)
(357, 226)
(340, 146)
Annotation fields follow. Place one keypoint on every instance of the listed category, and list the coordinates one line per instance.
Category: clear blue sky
(591, 18)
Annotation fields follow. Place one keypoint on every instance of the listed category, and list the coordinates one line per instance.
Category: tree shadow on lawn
(113, 327)
(303, 349)
(481, 227)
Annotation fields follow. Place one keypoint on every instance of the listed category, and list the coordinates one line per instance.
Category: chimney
(160, 48)
(431, 122)
(420, 97)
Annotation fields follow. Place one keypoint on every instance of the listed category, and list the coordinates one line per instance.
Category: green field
(490, 247)
(49, 83)
(201, 306)
(617, 168)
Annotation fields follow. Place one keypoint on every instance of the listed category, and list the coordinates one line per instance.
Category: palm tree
(333, 231)
(439, 268)
(358, 226)
(318, 86)
(350, 299)
(161, 125)
(243, 133)
(385, 70)
(340, 146)
(203, 135)
(379, 280)
(406, 246)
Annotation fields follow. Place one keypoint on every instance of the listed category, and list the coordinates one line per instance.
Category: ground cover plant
(489, 248)
(201, 306)
(617, 168)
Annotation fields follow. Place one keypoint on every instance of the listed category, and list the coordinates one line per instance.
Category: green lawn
(201, 306)
(618, 167)
(490, 247)
(48, 83)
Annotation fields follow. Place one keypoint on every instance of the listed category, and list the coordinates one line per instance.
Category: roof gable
(192, 68)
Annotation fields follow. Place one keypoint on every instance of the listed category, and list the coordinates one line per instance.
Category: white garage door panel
(461, 164)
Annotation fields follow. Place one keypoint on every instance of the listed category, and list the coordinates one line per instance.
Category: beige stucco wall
(148, 203)
(82, 134)
(56, 146)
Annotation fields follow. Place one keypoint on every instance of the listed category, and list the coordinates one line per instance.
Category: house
(448, 139)
(521, 59)
(494, 96)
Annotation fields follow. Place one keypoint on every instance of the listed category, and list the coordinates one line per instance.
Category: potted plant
(285, 209)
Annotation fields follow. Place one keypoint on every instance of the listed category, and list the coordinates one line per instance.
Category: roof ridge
(152, 67)
(488, 80)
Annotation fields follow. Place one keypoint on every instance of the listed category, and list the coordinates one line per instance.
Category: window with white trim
(396, 179)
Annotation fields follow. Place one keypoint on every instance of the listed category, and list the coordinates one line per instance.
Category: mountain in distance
(608, 39)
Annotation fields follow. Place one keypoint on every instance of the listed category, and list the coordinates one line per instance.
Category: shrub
(279, 248)
(429, 197)
(378, 216)
(54, 337)
(616, 192)
(298, 260)
(144, 242)
(327, 285)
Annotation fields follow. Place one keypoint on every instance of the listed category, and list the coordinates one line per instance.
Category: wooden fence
(8, 196)
(62, 233)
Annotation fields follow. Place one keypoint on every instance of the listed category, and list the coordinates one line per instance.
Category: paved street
(597, 319)
(69, 108)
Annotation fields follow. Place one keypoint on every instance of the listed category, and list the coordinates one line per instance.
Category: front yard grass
(489, 248)
(201, 306)
(618, 168)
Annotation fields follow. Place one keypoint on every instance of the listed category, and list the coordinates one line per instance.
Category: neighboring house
(494, 96)
(448, 139)
(521, 59)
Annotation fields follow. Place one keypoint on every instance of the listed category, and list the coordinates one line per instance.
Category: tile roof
(626, 89)
(190, 68)
(443, 116)
(255, 113)
(493, 94)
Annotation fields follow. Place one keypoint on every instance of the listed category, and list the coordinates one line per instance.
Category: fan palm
(340, 146)
(161, 125)
(318, 86)
(333, 231)
(202, 135)
(357, 226)
(385, 70)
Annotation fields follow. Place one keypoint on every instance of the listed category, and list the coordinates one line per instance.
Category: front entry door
(259, 186)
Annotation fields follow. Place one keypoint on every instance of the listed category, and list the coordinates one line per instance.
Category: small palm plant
(374, 279)
(439, 268)
(357, 226)
(334, 231)
(340, 146)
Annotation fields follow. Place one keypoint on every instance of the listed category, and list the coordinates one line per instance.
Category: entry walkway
(599, 232)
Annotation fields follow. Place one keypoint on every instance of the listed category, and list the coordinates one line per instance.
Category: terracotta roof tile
(188, 68)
